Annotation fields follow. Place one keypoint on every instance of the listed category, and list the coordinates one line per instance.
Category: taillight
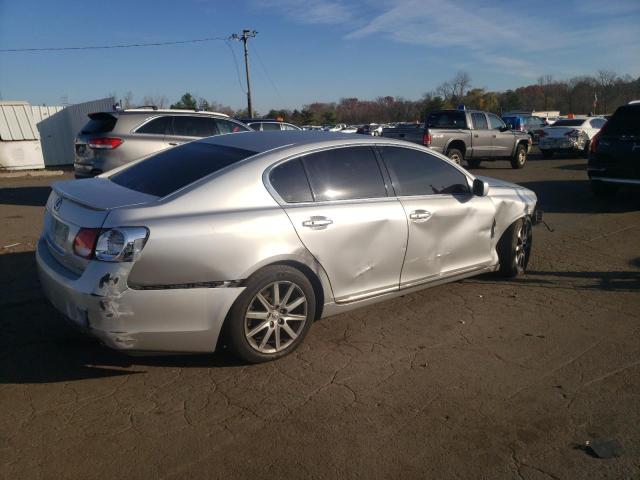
(122, 244)
(85, 242)
(593, 146)
(106, 143)
(426, 139)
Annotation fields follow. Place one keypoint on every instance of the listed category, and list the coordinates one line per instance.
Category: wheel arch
(456, 143)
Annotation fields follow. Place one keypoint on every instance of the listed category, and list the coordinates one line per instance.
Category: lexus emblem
(58, 204)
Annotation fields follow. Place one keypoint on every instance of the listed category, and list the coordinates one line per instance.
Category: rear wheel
(520, 158)
(547, 154)
(514, 248)
(272, 316)
(455, 155)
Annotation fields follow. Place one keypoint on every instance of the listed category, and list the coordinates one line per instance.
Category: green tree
(187, 102)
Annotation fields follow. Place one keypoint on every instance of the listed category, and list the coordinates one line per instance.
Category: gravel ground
(482, 378)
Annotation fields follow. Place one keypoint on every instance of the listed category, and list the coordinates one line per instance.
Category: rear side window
(270, 126)
(597, 123)
(178, 167)
(419, 173)
(625, 121)
(99, 123)
(225, 126)
(290, 181)
(479, 121)
(186, 126)
(157, 126)
(344, 174)
(447, 119)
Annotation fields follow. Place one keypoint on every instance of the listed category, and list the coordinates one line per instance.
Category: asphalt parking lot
(482, 378)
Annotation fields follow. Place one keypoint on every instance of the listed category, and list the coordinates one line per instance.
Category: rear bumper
(100, 303)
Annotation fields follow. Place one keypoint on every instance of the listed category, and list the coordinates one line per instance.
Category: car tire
(520, 158)
(455, 155)
(547, 154)
(474, 162)
(250, 319)
(585, 150)
(602, 189)
(514, 248)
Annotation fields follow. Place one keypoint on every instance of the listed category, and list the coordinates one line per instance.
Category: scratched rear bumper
(100, 303)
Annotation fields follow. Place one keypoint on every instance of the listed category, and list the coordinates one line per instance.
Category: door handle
(476, 135)
(175, 143)
(420, 215)
(317, 222)
(495, 136)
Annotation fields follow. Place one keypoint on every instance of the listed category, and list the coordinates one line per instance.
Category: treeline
(599, 94)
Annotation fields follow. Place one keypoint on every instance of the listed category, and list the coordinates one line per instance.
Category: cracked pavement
(482, 378)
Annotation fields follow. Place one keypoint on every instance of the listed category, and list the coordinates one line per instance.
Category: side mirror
(480, 188)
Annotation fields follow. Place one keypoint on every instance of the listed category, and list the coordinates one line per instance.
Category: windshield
(568, 123)
(172, 169)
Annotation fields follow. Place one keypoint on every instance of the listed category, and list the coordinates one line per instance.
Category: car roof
(264, 141)
(151, 111)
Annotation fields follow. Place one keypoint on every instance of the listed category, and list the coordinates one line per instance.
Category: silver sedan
(247, 239)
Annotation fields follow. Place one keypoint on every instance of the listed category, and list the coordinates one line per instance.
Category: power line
(105, 47)
(266, 73)
(244, 38)
(235, 62)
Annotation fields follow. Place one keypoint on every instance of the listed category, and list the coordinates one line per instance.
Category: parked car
(614, 156)
(112, 139)
(530, 124)
(255, 236)
(265, 124)
(373, 129)
(569, 136)
(349, 129)
(334, 128)
(470, 135)
(312, 127)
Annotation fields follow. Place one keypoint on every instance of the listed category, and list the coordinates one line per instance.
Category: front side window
(270, 126)
(419, 173)
(344, 174)
(290, 181)
(286, 126)
(495, 122)
(157, 126)
(187, 126)
(479, 121)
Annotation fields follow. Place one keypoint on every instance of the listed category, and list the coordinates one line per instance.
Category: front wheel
(520, 158)
(514, 248)
(272, 316)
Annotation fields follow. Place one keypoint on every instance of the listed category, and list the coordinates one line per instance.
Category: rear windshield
(626, 121)
(447, 120)
(173, 169)
(99, 123)
(568, 123)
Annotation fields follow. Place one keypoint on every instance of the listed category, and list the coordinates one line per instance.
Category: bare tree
(461, 83)
(546, 84)
(127, 101)
(159, 101)
(606, 79)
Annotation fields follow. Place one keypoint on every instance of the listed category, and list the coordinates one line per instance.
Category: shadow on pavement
(575, 196)
(28, 196)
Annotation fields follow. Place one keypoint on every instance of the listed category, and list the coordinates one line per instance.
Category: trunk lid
(76, 204)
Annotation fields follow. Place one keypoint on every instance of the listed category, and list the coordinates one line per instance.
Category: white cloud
(311, 11)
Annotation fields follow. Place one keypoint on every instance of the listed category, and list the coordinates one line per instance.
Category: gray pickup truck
(471, 135)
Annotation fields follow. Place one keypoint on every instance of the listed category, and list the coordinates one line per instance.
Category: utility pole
(246, 34)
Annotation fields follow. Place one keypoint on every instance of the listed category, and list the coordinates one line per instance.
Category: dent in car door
(353, 229)
(449, 228)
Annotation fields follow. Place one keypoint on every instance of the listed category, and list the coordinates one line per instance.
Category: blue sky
(308, 50)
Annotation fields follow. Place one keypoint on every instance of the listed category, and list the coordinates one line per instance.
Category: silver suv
(111, 139)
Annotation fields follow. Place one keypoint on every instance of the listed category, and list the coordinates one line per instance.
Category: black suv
(614, 153)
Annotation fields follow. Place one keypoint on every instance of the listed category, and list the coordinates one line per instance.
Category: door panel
(501, 142)
(360, 244)
(481, 135)
(455, 235)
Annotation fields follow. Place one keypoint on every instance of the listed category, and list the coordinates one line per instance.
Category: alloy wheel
(276, 316)
(523, 245)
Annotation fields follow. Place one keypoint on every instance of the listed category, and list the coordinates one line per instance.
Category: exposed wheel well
(459, 145)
